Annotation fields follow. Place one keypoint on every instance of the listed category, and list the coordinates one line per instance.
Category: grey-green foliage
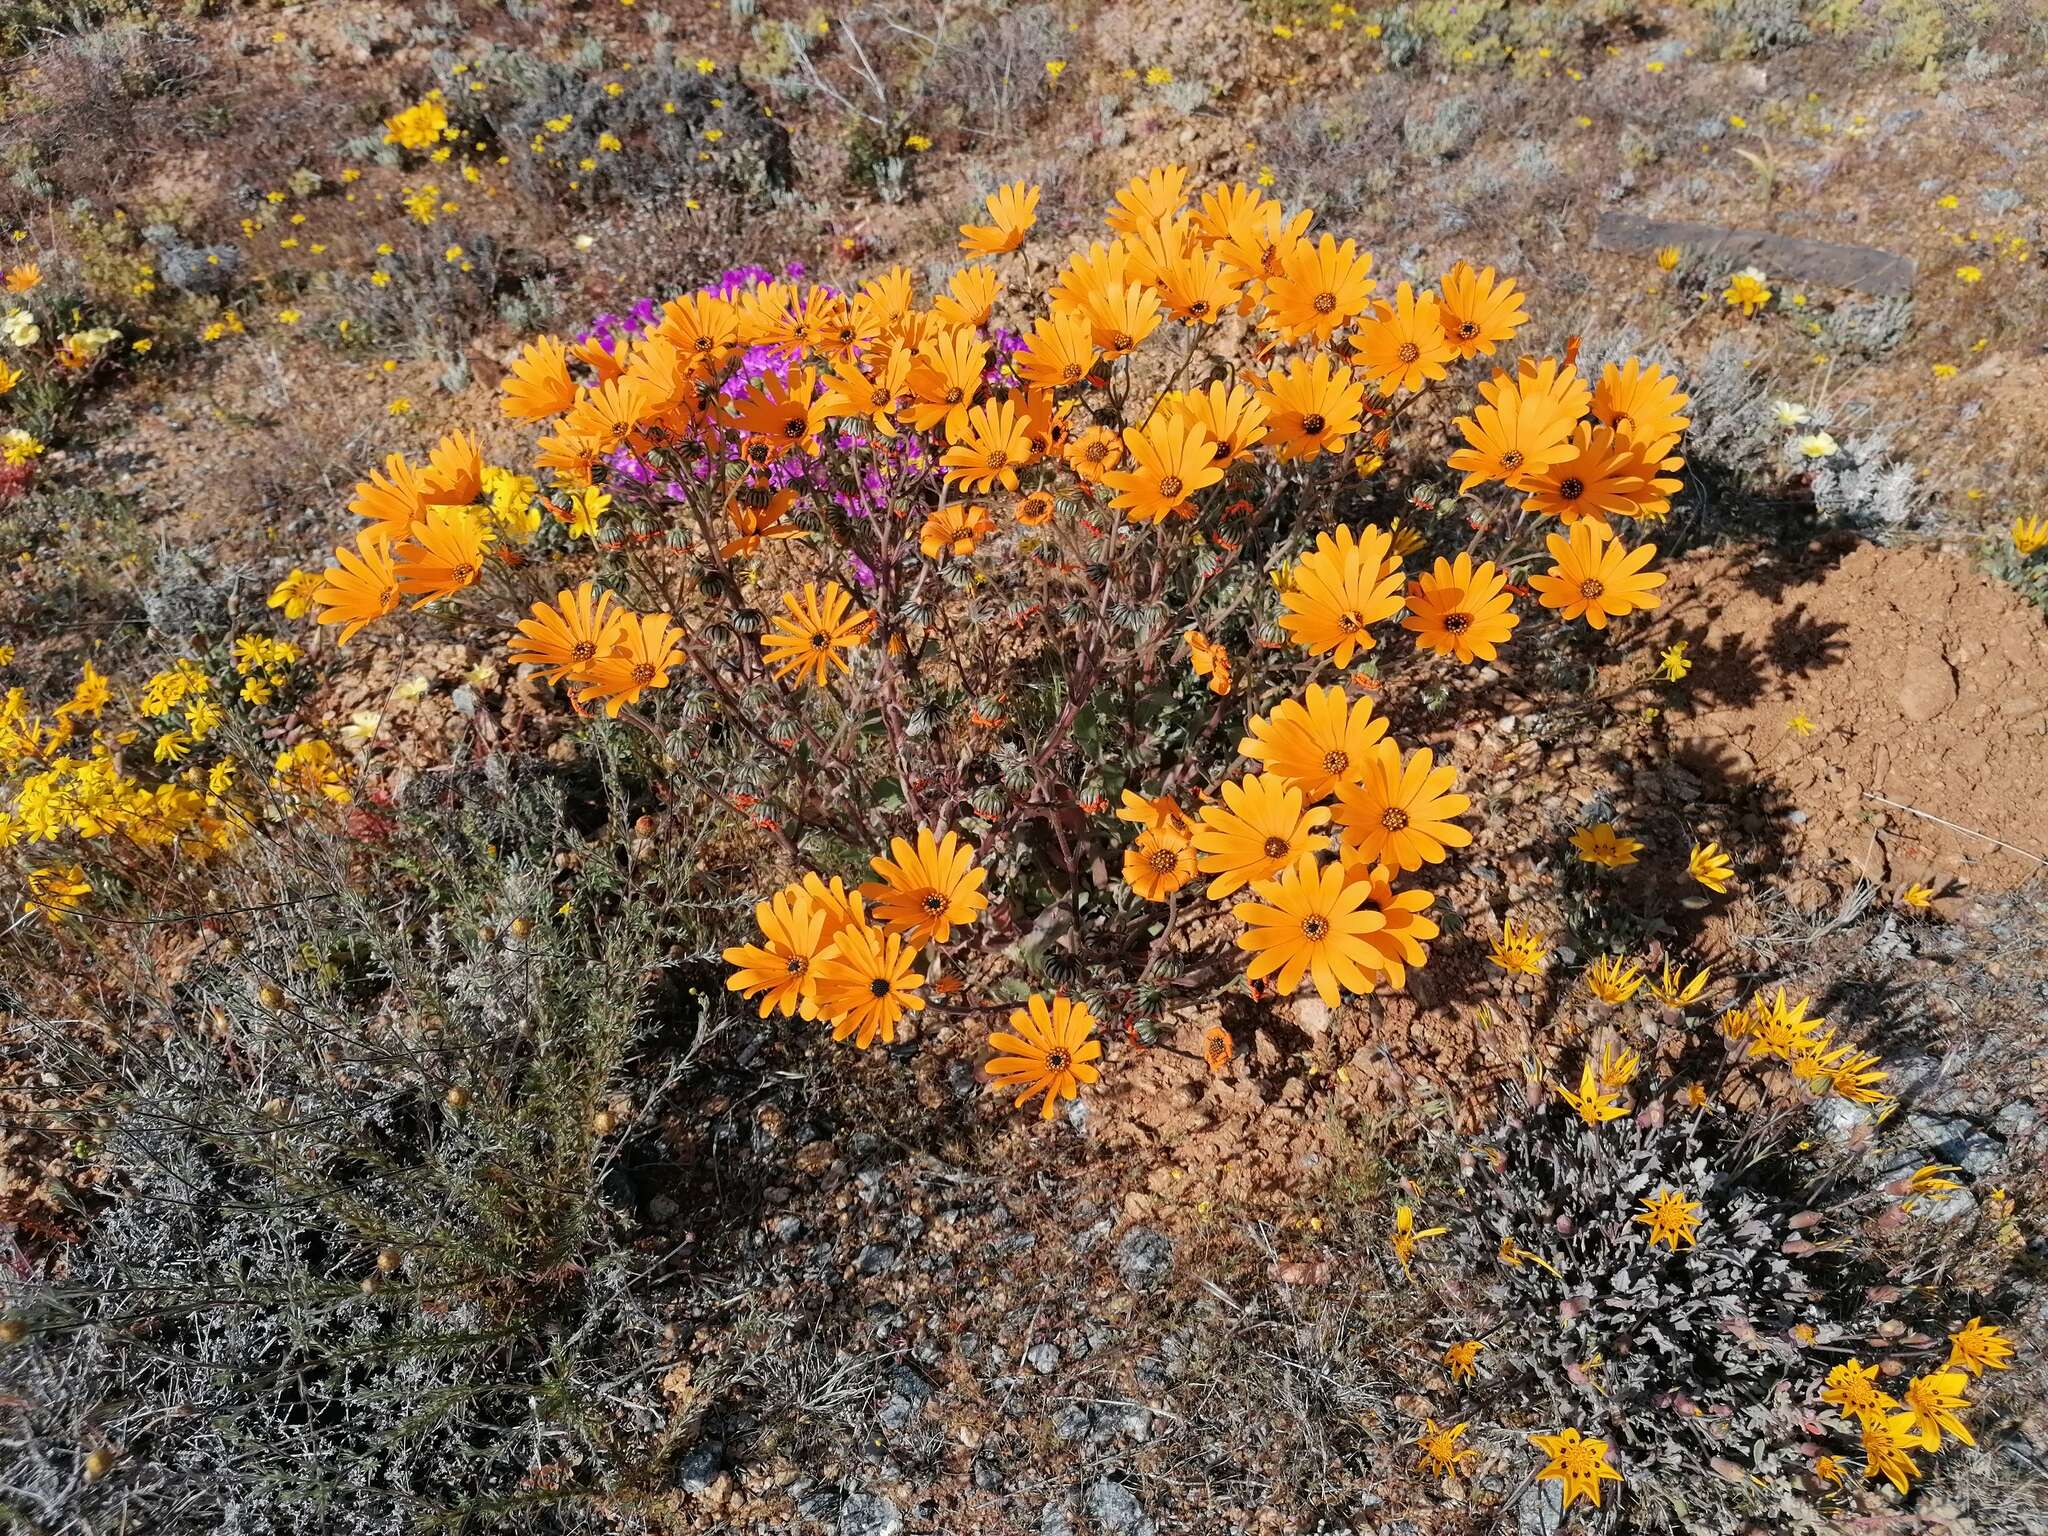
(1682, 1359)
(226, 1326)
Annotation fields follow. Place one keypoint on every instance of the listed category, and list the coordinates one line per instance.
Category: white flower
(20, 328)
(1817, 445)
(361, 728)
(1790, 414)
(410, 690)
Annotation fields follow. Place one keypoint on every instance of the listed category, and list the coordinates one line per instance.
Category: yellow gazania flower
(1442, 1455)
(1930, 1405)
(1673, 990)
(1600, 844)
(1405, 1236)
(1520, 951)
(1885, 1443)
(1673, 664)
(1712, 868)
(1613, 979)
(1747, 291)
(1578, 1463)
(1462, 1359)
(1976, 1347)
(1594, 1104)
(1918, 896)
(1671, 1218)
(2029, 535)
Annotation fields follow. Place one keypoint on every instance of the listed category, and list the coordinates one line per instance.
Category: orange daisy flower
(703, 327)
(1521, 430)
(1158, 862)
(649, 644)
(1598, 480)
(945, 381)
(1174, 458)
(361, 585)
(1398, 942)
(990, 449)
(810, 637)
(565, 639)
(395, 499)
(1402, 345)
(1150, 198)
(1048, 1053)
(1229, 413)
(866, 985)
(1315, 742)
(455, 471)
(1310, 921)
(954, 529)
(1312, 407)
(1479, 313)
(1595, 576)
(1639, 402)
(780, 969)
(1059, 351)
(1012, 210)
(927, 891)
(537, 386)
(1341, 589)
(444, 554)
(1461, 609)
(970, 297)
(1400, 815)
(1261, 828)
(1095, 452)
(1121, 316)
(1321, 288)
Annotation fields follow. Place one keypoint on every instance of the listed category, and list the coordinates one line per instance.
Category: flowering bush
(880, 568)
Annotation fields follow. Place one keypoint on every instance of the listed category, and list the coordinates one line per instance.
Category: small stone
(1927, 684)
(877, 1259)
(700, 1466)
(869, 1514)
(1116, 1510)
(1144, 1258)
(1043, 1358)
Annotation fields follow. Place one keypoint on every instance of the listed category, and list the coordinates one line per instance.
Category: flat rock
(1861, 267)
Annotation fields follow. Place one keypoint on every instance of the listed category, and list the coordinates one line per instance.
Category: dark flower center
(1313, 423)
(1199, 307)
(1349, 623)
(953, 396)
(1317, 928)
(1336, 762)
(1056, 1060)
(1276, 847)
(797, 964)
(582, 650)
(934, 903)
(1393, 818)
(1070, 374)
(997, 459)
(1170, 486)
(879, 987)
(1122, 342)
(1457, 623)
(1325, 303)
(1572, 488)
(820, 641)
(643, 674)
(1163, 861)
(1512, 459)
(1591, 588)
(1409, 352)
(1467, 331)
